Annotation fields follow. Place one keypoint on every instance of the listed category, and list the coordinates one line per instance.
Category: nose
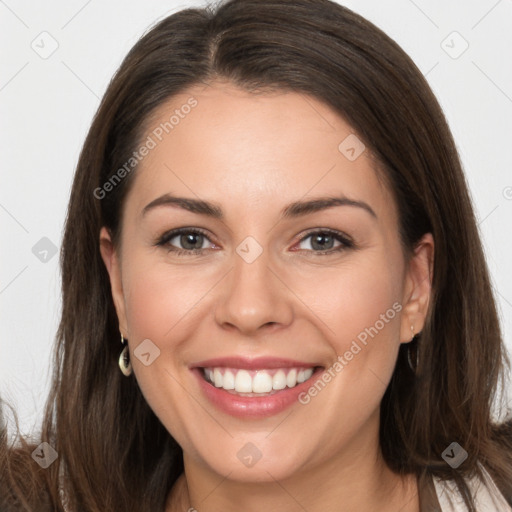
(254, 298)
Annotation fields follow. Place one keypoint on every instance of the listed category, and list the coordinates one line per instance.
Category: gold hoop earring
(124, 359)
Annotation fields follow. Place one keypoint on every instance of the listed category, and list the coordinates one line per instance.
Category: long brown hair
(113, 453)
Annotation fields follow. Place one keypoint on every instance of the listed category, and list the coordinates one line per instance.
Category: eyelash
(345, 242)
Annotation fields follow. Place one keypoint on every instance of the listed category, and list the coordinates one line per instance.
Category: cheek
(158, 305)
(358, 309)
(163, 304)
(158, 298)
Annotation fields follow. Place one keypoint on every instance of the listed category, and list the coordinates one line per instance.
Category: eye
(190, 241)
(325, 241)
(185, 241)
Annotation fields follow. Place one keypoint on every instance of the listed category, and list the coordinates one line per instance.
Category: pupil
(322, 242)
(190, 241)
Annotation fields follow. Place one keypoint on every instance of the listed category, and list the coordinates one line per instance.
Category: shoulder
(487, 496)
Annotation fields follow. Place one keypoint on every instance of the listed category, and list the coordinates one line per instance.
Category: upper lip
(257, 363)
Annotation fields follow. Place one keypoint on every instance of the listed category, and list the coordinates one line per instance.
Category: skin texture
(252, 155)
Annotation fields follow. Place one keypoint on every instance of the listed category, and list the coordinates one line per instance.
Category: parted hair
(113, 452)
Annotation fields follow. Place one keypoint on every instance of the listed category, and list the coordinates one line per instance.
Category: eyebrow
(299, 208)
(192, 205)
(295, 209)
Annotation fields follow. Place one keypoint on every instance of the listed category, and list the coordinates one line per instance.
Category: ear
(112, 261)
(417, 288)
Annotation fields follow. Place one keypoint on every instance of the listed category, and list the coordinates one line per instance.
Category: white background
(46, 106)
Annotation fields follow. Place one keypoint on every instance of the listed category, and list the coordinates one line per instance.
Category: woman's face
(288, 266)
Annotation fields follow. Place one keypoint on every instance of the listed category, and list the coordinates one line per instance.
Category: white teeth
(258, 381)
(217, 378)
(261, 383)
(304, 375)
(291, 378)
(243, 382)
(279, 380)
(229, 380)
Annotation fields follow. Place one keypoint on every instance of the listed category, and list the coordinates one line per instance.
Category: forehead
(254, 150)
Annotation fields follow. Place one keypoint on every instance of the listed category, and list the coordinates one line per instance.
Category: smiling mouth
(257, 383)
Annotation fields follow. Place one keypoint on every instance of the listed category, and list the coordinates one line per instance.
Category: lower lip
(252, 407)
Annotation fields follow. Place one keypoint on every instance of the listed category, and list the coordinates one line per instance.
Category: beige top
(443, 496)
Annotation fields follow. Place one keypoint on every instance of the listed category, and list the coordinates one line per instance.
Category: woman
(270, 214)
